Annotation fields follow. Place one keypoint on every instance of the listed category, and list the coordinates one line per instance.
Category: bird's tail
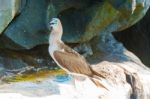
(97, 83)
(96, 73)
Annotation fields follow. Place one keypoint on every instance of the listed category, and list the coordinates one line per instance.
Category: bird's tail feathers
(96, 73)
(97, 83)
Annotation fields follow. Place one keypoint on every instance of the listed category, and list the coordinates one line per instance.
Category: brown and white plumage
(65, 57)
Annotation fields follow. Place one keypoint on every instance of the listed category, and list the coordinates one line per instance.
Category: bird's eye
(52, 23)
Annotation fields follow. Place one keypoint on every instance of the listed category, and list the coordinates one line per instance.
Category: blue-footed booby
(67, 58)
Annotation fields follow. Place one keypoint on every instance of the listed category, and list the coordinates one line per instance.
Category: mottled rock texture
(137, 39)
(87, 24)
(18, 60)
(82, 20)
(8, 10)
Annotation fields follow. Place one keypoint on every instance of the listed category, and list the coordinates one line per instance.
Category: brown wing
(68, 49)
(73, 62)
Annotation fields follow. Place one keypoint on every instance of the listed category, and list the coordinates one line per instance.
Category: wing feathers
(75, 63)
(72, 62)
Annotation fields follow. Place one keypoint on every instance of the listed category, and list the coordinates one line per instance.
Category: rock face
(123, 76)
(90, 21)
(8, 10)
(22, 61)
(82, 20)
(29, 28)
(136, 39)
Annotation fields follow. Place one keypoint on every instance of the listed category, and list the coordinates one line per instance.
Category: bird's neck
(54, 38)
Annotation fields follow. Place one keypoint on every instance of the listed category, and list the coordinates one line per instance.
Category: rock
(8, 10)
(22, 61)
(136, 39)
(2, 70)
(90, 21)
(11, 64)
(29, 29)
(138, 10)
(122, 73)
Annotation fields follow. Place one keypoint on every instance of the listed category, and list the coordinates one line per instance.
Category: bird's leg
(79, 77)
(77, 81)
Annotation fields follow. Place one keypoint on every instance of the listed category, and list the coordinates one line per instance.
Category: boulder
(122, 76)
(8, 10)
(29, 28)
(23, 61)
(82, 20)
(136, 39)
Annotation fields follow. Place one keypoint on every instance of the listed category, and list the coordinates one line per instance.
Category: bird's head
(56, 26)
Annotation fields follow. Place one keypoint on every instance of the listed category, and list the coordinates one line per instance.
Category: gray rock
(29, 28)
(136, 39)
(82, 20)
(8, 10)
(2, 70)
(19, 61)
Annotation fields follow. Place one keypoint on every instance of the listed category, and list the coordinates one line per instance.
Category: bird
(67, 58)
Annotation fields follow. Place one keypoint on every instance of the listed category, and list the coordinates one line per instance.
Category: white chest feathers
(52, 48)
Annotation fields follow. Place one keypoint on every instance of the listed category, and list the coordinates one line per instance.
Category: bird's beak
(51, 25)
